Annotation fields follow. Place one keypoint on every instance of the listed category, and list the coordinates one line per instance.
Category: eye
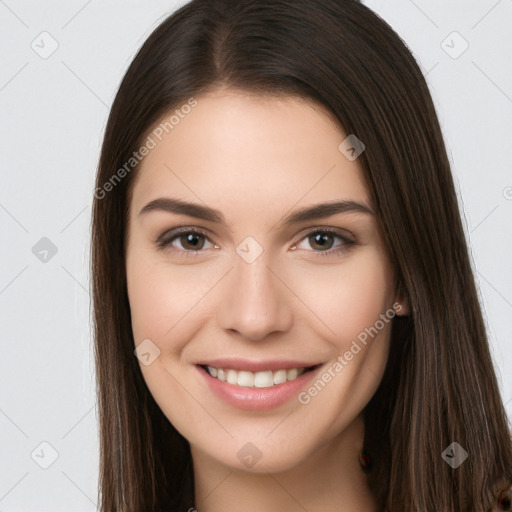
(191, 241)
(324, 241)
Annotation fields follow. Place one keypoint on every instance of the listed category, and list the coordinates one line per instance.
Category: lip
(257, 399)
(256, 366)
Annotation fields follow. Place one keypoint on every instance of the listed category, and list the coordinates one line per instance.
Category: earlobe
(401, 305)
(400, 308)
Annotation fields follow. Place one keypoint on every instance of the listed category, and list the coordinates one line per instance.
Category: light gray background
(54, 111)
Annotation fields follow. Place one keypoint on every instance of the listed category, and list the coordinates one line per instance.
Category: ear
(401, 305)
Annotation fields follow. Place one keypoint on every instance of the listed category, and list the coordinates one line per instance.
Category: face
(264, 332)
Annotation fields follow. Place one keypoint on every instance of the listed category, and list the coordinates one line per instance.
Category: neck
(330, 479)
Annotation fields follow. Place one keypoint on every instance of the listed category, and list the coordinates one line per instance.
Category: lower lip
(257, 399)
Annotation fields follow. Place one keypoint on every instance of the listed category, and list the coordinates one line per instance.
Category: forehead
(257, 150)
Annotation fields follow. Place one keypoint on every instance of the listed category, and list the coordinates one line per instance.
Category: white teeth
(292, 373)
(232, 377)
(264, 379)
(245, 379)
(280, 376)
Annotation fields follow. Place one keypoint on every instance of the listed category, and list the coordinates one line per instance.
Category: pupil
(192, 239)
(321, 239)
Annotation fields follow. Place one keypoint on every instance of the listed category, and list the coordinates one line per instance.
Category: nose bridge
(256, 303)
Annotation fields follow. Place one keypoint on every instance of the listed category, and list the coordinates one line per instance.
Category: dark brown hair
(439, 385)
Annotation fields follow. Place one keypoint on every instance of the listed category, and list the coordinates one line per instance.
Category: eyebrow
(307, 213)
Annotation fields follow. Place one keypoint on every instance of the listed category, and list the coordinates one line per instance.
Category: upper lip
(255, 365)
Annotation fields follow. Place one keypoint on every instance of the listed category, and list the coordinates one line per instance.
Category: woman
(285, 312)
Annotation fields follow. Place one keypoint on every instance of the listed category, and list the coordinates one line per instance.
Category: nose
(255, 302)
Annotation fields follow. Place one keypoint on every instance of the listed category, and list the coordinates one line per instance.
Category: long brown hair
(439, 386)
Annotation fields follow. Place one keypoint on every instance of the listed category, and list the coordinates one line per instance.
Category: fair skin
(257, 160)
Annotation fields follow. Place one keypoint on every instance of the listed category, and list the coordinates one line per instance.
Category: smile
(256, 386)
(263, 379)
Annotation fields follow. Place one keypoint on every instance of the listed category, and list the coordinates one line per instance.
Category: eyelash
(164, 241)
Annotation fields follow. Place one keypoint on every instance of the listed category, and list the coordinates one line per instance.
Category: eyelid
(342, 233)
(173, 233)
(164, 241)
(347, 241)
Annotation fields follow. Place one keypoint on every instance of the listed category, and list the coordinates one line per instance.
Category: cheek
(347, 298)
(350, 300)
(164, 298)
(147, 298)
